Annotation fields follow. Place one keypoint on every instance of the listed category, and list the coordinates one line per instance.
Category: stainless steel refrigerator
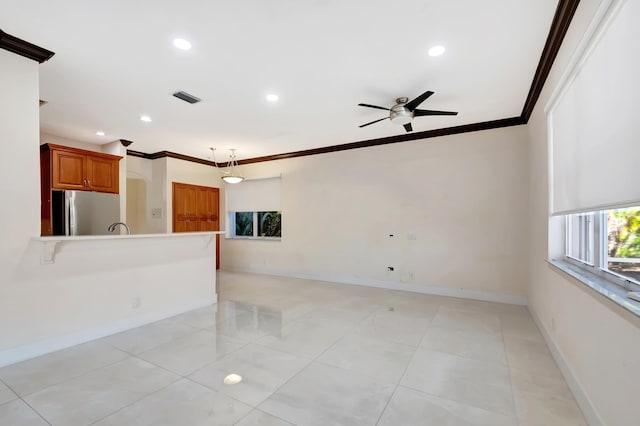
(83, 212)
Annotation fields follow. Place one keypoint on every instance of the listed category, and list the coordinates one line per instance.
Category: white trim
(32, 350)
(587, 407)
(485, 296)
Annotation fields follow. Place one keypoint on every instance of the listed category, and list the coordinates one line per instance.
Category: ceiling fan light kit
(403, 111)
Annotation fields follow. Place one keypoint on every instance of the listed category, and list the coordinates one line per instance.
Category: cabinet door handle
(88, 183)
(84, 182)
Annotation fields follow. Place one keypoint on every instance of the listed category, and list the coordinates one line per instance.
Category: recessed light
(232, 379)
(100, 133)
(437, 50)
(145, 118)
(272, 97)
(182, 44)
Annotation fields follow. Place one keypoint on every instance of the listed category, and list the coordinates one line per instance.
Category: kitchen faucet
(113, 226)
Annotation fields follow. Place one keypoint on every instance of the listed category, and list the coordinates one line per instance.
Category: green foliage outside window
(624, 233)
(269, 224)
(244, 224)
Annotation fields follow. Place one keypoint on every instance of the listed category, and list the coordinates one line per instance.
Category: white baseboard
(32, 350)
(589, 411)
(396, 285)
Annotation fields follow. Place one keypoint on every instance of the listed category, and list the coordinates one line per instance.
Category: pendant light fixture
(232, 175)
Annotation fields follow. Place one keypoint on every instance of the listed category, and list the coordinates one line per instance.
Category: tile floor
(310, 353)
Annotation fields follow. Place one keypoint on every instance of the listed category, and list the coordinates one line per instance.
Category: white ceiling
(115, 61)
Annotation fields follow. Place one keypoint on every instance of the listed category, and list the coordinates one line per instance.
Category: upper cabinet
(71, 168)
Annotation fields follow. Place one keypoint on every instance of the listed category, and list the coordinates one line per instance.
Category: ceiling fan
(404, 111)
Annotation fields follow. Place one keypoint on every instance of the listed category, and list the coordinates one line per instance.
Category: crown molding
(24, 48)
(559, 26)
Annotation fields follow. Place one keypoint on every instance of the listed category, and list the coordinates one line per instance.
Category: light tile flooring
(310, 353)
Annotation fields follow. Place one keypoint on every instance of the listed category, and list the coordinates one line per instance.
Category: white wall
(597, 340)
(19, 168)
(462, 196)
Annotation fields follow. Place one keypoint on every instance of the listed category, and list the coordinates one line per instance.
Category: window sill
(255, 238)
(611, 291)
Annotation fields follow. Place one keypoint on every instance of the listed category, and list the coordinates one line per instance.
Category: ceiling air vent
(186, 97)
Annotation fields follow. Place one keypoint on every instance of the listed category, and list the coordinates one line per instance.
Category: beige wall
(137, 205)
(461, 196)
(597, 341)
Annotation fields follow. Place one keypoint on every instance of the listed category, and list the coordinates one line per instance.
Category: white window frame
(232, 228)
(601, 258)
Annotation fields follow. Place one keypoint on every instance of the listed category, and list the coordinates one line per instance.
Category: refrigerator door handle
(71, 213)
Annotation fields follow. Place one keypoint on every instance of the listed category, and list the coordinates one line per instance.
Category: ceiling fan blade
(417, 101)
(408, 127)
(373, 106)
(365, 125)
(420, 112)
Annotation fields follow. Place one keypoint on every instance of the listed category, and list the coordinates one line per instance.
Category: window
(269, 224)
(256, 224)
(593, 152)
(244, 224)
(580, 237)
(253, 208)
(607, 242)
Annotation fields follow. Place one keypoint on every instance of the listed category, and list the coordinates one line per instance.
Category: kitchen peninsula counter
(81, 288)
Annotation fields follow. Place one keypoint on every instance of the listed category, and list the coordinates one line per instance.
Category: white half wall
(594, 341)
(97, 287)
(456, 207)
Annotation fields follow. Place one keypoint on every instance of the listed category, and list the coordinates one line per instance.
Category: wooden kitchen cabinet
(63, 167)
(78, 169)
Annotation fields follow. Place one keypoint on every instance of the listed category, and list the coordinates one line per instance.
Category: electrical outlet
(156, 213)
(136, 302)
